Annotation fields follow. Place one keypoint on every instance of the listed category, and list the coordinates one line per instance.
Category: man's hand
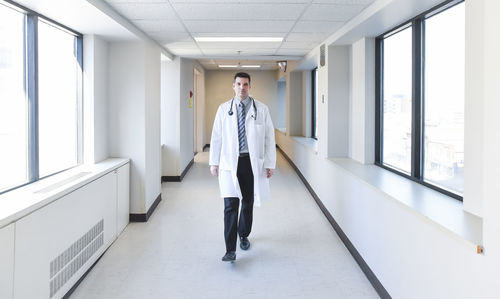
(269, 172)
(214, 169)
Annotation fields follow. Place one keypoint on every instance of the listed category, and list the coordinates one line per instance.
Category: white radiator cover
(74, 230)
(6, 260)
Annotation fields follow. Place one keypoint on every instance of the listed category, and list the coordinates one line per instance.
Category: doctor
(243, 156)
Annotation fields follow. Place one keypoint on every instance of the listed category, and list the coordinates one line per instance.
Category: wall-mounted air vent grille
(322, 55)
(64, 266)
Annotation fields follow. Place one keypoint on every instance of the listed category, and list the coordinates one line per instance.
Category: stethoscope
(254, 116)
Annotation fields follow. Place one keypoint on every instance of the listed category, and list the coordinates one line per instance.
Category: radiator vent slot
(64, 266)
(322, 55)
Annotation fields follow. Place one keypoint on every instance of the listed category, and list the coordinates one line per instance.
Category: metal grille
(64, 266)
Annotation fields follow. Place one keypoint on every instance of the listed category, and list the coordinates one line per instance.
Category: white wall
(281, 106)
(490, 62)
(294, 103)
(177, 117)
(152, 124)
(134, 102)
(362, 114)
(218, 88)
(474, 110)
(338, 100)
(405, 249)
(186, 113)
(199, 105)
(170, 84)
(95, 82)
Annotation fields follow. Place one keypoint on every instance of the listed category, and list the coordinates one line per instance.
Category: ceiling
(303, 24)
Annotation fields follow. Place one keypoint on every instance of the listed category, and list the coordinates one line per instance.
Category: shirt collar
(245, 101)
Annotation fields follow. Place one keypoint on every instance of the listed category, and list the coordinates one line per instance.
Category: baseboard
(73, 288)
(145, 217)
(382, 292)
(179, 177)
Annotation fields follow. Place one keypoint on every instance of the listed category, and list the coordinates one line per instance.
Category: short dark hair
(242, 75)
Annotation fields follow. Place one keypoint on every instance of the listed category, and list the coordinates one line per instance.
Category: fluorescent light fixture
(239, 39)
(251, 65)
(228, 65)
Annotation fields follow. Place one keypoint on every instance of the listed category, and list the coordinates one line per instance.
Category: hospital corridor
(295, 252)
(212, 149)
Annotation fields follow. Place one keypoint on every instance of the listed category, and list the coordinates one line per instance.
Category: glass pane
(58, 101)
(315, 103)
(444, 98)
(397, 100)
(13, 101)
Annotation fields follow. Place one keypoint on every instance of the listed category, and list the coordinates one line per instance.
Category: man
(243, 156)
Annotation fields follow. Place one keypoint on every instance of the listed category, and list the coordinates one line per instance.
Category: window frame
(418, 101)
(314, 73)
(31, 88)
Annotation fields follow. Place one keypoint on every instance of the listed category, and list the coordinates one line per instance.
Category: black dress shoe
(244, 243)
(230, 256)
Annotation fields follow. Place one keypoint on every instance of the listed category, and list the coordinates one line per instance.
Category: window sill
(308, 142)
(441, 209)
(281, 130)
(22, 201)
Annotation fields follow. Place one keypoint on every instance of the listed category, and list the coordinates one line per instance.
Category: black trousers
(231, 204)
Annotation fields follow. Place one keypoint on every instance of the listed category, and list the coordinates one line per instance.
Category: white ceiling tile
(238, 11)
(233, 26)
(136, 1)
(170, 37)
(226, 52)
(186, 52)
(297, 45)
(181, 45)
(243, 34)
(239, 46)
(139, 11)
(306, 37)
(345, 2)
(163, 26)
(292, 52)
(241, 1)
(317, 26)
(304, 23)
(328, 12)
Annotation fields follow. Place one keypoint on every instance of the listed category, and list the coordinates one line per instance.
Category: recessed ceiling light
(239, 39)
(251, 65)
(228, 65)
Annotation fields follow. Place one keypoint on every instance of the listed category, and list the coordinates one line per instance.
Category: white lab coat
(224, 149)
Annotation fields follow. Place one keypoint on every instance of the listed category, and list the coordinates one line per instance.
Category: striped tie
(241, 126)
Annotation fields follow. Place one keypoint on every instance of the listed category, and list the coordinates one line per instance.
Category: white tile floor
(295, 253)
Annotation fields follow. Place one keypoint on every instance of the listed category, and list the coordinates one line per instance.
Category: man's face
(241, 87)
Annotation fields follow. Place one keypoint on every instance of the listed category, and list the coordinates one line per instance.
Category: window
(420, 99)
(13, 102)
(397, 100)
(314, 102)
(40, 97)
